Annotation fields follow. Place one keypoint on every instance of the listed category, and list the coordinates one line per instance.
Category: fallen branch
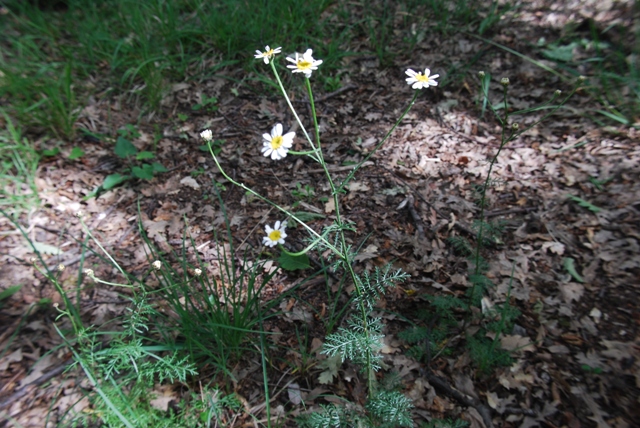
(443, 386)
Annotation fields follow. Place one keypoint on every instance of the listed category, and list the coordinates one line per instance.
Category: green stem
(286, 97)
(273, 204)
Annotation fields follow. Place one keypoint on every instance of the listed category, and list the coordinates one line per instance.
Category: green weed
(18, 169)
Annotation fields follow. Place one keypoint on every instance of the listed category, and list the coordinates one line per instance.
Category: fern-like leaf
(356, 345)
(391, 408)
(373, 286)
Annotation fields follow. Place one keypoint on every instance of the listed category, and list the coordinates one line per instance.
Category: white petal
(410, 72)
(266, 137)
(427, 72)
(435, 76)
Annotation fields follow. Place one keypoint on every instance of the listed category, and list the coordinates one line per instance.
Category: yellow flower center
(422, 78)
(276, 142)
(269, 53)
(303, 65)
(275, 235)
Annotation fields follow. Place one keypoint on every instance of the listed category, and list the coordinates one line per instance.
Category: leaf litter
(577, 317)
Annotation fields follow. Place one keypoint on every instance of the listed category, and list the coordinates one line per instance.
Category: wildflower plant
(359, 340)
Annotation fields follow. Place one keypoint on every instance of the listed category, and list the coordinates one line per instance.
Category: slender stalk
(295, 114)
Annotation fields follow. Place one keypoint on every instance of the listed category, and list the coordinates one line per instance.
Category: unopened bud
(61, 267)
(156, 265)
(515, 126)
(89, 273)
(581, 79)
(504, 81)
(558, 92)
(207, 135)
(197, 272)
(32, 260)
(481, 74)
(79, 214)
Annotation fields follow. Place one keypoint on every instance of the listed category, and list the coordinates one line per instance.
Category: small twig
(414, 215)
(509, 211)
(441, 384)
(520, 411)
(325, 97)
(440, 213)
(333, 168)
(31, 386)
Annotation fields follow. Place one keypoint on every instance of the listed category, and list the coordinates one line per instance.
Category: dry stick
(413, 189)
(414, 215)
(333, 168)
(346, 88)
(31, 386)
(442, 384)
(510, 211)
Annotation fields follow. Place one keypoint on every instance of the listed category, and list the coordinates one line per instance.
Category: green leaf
(76, 152)
(560, 53)
(290, 263)
(585, 204)
(46, 248)
(305, 216)
(113, 180)
(613, 116)
(158, 167)
(145, 173)
(50, 152)
(331, 366)
(569, 265)
(5, 294)
(124, 147)
(145, 155)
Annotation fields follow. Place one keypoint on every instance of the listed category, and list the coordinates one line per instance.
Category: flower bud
(197, 272)
(558, 92)
(156, 265)
(89, 273)
(515, 126)
(61, 267)
(79, 214)
(581, 79)
(481, 74)
(32, 260)
(504, 81)
(207, 135)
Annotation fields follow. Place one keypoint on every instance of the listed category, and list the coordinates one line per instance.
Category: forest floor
(571, 268)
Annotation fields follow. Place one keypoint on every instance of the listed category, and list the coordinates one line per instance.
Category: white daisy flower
(267, 54)
(277, 145)
(419, 80)
(207, 135)
(276, 235)
(304, 63)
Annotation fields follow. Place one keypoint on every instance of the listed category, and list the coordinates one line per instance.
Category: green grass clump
(18, 168)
